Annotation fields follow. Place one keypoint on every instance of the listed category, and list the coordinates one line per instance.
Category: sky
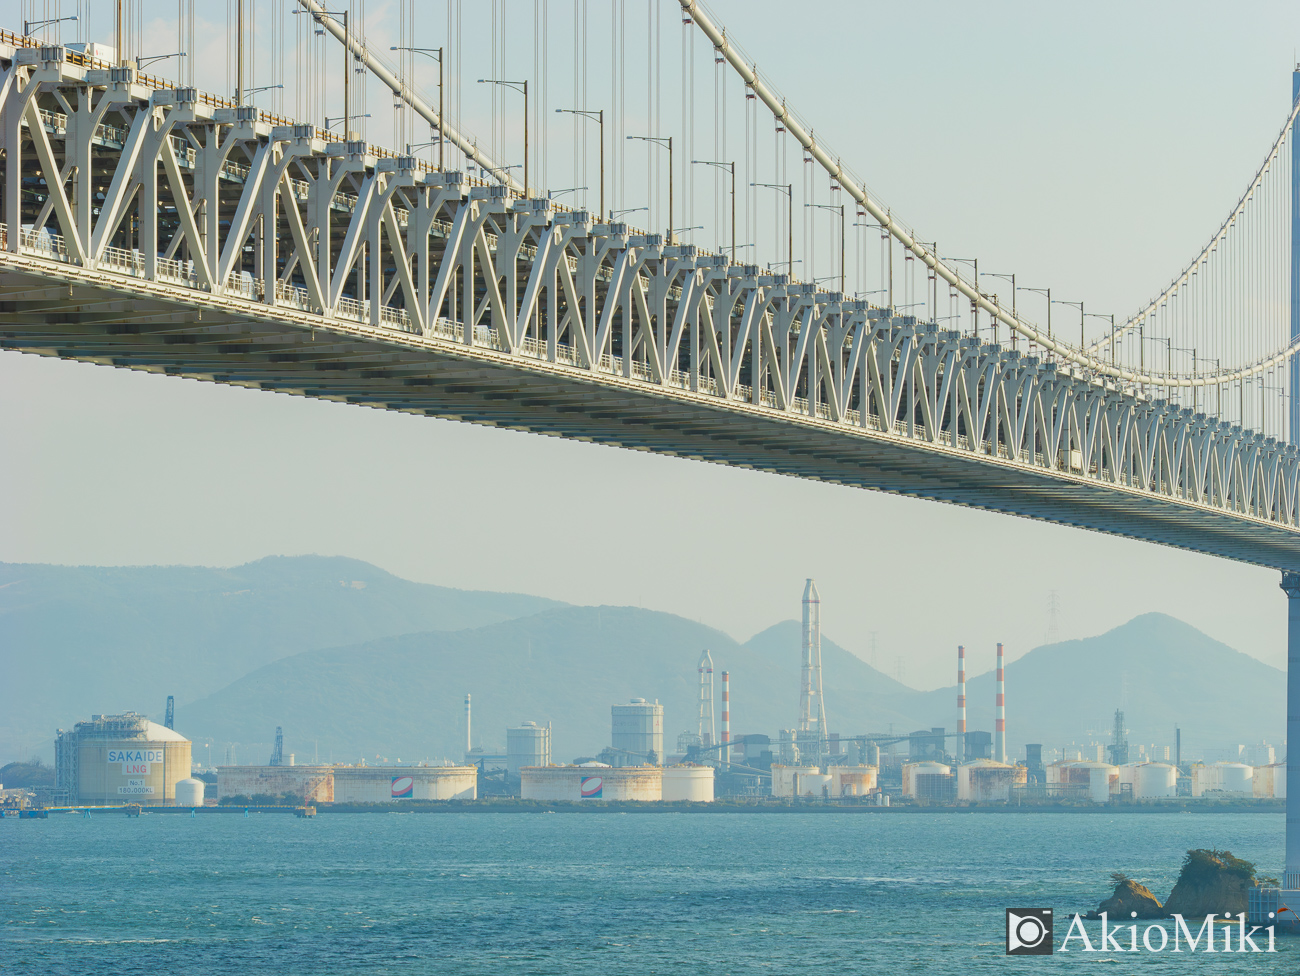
(1090, 148)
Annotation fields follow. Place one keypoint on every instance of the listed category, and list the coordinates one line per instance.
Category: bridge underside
(80, 319)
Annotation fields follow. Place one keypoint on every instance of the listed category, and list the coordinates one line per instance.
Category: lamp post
(620, 213)
(731, 168)
(552, 194)
(31, 25)
(329, 124)
(1011, 278)
(1111, 316)
(519, 86)
(599, 116)
(141, 62)
(832, 207)
(1082, 316)
(664, 141)
(260, 88)
(347, 71)
(1048, 293)
(788, 190)
(436, 54)
(974, 305)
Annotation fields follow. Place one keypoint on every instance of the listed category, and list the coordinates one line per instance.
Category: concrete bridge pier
(1291, 878)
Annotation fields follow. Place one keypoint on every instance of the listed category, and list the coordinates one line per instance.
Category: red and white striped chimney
(726, 718)
(1000, 730)
(961, 703)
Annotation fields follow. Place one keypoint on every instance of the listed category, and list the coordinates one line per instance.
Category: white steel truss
(170, 200)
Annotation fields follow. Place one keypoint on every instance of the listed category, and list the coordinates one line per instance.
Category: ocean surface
(609, 893)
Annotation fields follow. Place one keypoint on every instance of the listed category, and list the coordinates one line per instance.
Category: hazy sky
(1090, 148)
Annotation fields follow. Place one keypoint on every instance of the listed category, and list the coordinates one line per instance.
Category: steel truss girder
(275, 238)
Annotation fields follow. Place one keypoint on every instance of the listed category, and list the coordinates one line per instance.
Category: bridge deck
(72, 313)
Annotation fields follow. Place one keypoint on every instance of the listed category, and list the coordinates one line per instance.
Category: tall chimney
(812, 705)
(1000, 730)
(469, 740)
(726, 718)
(961, 703)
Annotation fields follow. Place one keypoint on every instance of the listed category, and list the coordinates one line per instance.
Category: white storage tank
(784, 777)
(985, 781)
(854, 780)
(1150, 780)
(1270, 781)
(928, 781)
(189, 792)
(814, 784)
(694, 783)
(637, 732)
(1223, 777)
(527, 745)
(591, 781)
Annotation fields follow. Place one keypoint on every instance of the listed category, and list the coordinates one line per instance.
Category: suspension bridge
(150, 223)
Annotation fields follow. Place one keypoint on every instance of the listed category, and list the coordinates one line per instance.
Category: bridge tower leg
(1294, 429)
(1291, 878)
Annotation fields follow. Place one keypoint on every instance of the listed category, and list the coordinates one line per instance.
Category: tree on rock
(1211, 882)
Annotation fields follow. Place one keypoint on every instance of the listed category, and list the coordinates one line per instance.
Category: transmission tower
(277, 754)
(707, 730)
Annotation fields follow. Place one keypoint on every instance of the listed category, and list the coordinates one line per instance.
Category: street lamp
(552, 194)
(599, 116)
(519, 86)
(683, 230)
(330, 124)
(260, 88)
(664, 141)
(1098, 315)
(1081, 318)
(1011, 278)
(730, 167)
(436, 54)
(31, 25)
(788, 190)
(347, 73)
(975, 303)
(620, 213)
(141, 62)
(1048, 293)
(832, 207)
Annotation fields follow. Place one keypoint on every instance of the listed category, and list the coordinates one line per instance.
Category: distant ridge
(78, 639)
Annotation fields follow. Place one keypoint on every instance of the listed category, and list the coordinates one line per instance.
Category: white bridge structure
(157, 227)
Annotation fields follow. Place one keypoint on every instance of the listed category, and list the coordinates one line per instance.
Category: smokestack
(469, 739)
(1000, 730)
(726, 718)
(707, 731)
(812, 706)
(961, 703)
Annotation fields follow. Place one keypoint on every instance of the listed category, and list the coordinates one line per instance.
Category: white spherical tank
(189, 792)
(693, 783)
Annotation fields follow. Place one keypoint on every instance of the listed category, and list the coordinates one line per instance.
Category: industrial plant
(126, 759)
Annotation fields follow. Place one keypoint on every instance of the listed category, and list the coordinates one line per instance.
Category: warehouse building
(121, 759)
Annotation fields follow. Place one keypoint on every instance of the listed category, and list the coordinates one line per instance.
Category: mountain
(403, 697)
(1159, 670)
(77, 640)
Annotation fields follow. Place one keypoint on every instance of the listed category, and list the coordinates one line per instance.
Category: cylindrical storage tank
(527, 745)
(854, 780)
(928, 781)
(121, 759)
(593, 781)
(814, 785)
(1270, 781)
(383, 784)
(985, 781)
(872, 756)
(693, 783)
(1236, 778)
(189, 792)
(1099, 779)
(1150, 780)
(784, 777)
(637, 731)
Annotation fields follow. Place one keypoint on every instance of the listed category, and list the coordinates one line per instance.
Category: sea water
(587, 893)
